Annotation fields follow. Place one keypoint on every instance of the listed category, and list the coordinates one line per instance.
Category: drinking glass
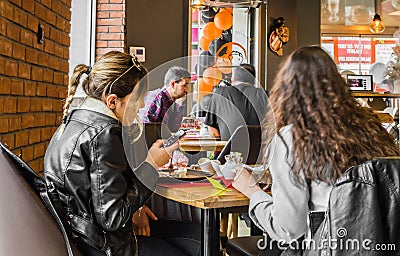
(333, 8)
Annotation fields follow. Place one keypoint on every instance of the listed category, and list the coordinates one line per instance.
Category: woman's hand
(158, 156)
(244, 182)
(140, 220)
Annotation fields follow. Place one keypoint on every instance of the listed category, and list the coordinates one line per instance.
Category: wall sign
(279, 36)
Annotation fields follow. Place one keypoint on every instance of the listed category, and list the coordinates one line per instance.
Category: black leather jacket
(98, 190)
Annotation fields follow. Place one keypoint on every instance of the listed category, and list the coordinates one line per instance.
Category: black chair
(246, 139)
(27, 226)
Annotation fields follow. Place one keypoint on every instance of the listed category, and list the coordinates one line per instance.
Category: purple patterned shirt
(157, 111)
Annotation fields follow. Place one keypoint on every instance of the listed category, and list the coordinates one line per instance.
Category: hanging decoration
(279, 35)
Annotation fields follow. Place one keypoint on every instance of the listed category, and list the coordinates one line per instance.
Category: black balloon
(209, 13)
(215, 45)
(227, 35)
(199, 69)
(206, 59)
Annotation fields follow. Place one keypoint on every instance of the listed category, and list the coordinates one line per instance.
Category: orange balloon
(212, 76)
(223, 20)
(211, 31)
(229, 10)
(204, 43)
(224, 65)
(203, 86)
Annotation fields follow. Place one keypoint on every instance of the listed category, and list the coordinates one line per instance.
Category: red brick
(40, 11)
(35, 165)
(57, 7)
(49, 46)
(54, 63)
(58, 78)
(31, 55)
(4, 124)
(51, 17)
(48, 75)
(43, 58)
(57, 106)
(102, 44)
(115, 44)
(52, 91)
(40, 119)
(46, 3)
(47, 105)
(116, 1)
(36, 105)
(10, 105)
(66, 53)
(34, 136)
(11, 68)
(5, 86)
(102, 29)
(1, 105)
(15, 123)
(110, 22)
(110, 36)
(16, 2)
(116, 29)
(27, 37)
(103, 1)
(5, 47)
(117, 14)
(37, 73)
(38, 150)
(65, 39)
(18, 52)
(8, 11)
(29, 88)
(13, 32)
(3, 27)
(64, 66)
(29, 6)
(55, 35)
(20, 17)
(2, 65)
(50, 119)
(111, 7)
(24, 70)
(7, 139)
(66, 13)
(17, 87)
(27, 153)
(41, 90)
(58, 50)
(23, 105)
(101, 51)
(62, 92)
(28, 121)
(33, 23)
(46, 133)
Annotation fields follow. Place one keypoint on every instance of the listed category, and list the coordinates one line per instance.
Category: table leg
(210, 232)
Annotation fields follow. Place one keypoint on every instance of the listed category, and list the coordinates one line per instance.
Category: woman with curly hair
(314, 132)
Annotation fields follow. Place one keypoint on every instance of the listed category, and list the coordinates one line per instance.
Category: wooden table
(211, 203)
(201, 145)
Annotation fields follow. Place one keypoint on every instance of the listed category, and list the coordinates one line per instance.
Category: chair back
(27, 226)
(247, 140)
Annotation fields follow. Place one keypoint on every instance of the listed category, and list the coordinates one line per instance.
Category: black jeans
(183, 235)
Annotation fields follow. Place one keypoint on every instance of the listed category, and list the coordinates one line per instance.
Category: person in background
(240, 104)
(176, 83)
(315, 131)
(86, 163)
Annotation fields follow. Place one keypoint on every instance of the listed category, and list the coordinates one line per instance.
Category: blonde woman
(86, 164)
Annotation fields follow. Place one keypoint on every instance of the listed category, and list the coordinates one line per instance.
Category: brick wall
(33, 76)
(110, 28)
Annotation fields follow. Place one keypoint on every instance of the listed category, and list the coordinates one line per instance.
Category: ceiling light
(377, 25)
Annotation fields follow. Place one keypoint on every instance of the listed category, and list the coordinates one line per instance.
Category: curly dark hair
(331, 131)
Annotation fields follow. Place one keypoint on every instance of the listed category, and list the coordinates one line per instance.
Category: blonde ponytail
(72, 86)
